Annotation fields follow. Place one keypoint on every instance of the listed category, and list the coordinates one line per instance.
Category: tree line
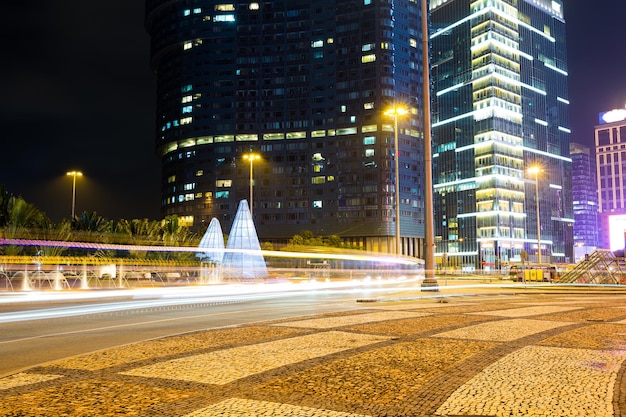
(22, 220)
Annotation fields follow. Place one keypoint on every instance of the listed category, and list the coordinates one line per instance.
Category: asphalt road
(36, 332)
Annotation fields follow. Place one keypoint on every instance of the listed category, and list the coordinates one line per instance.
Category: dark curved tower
(303, 84)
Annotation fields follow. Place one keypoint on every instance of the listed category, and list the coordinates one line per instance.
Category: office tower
(500, 107)
(303, 86)
(610, 140)
(585, 200)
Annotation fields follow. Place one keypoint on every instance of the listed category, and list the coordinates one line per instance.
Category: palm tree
(23, 221)
(173, 234)
(136, 232)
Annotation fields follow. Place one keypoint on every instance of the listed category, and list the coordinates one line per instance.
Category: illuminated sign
(617, 230)
(611, 116)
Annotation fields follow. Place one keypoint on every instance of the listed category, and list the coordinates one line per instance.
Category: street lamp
(535, 170)
(395, 112)
(251, 157)
(74, 174)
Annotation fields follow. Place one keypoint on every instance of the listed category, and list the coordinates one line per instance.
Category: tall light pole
(74, 174)
(251, 157)
(535, 170)
(395, 112)
(429, 215)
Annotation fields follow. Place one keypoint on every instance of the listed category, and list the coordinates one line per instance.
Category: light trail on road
(38, 333)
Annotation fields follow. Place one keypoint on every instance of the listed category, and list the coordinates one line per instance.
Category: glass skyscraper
(585, 200)
(304, 85)
(500, 107)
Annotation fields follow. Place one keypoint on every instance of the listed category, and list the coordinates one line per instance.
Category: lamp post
(395, 112)
(535, 170)
(251, 157)
(74, 174)
(429, 213)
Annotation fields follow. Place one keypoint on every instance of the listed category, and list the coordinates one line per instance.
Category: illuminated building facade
(500, 107)
(610, 140)
(305, 85)
(585, 200)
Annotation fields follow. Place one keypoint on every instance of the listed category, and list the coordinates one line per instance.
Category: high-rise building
(500, 107)
(610, 140)
(585, 200)
(304, 85)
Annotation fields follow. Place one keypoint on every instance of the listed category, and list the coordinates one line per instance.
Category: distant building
(585, 200)
(610, 137)
(499, 71)
(305, 85)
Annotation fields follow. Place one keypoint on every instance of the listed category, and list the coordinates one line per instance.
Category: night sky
(77, 92)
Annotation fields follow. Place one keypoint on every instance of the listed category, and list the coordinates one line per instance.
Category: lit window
(199, 173)
(413, 43)
(343, 109)
(254, 6)
(186, 99)
(187, 109)
(318, 180)
(224, 18)
(368, 58)
(367, 2)
(317, 44)
(369, 153)
(369, 128)
(369, 140)
(223, 183)
(317, 204)
(186, 88)
(346, 131)
(189, 197)
(186, 120)
(367, 47)
(171, 179)
(197, 10)
(186, 12)
(187, 45)
(189, 186)
(185, 221)
(368, 106)
(222, 194)
(225, 7)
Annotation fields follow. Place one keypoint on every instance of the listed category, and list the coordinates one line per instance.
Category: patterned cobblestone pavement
(525, 354)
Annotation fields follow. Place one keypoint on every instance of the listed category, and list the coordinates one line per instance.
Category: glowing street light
(535, 170)
(395, 112)
(74, 174)
(251, 157)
